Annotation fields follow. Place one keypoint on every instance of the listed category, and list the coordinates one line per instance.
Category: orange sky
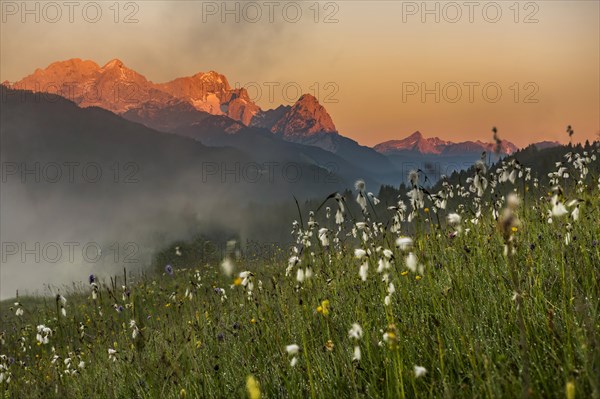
(363, 64)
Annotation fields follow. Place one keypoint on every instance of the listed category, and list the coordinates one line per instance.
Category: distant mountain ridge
(417, 143)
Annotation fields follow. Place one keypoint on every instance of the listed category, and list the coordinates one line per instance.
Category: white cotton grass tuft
(293, 261)
(323, 237)
(359, 185)
(558, 208)
(391, 288)
(339, 213)
(419, 371)
(453, 219)
(360, 253)
(404, 243)
(373, 198)
(339, 217)
(513, 201)
(363, 271)
(300, 275)
(411, 262)
(227, 266)
(112, 354)
(575, 214)
(43, 334)
(361, 199)
(413, 177)
(308, 273)
(356, 332)
(356, 354)
(383, 264)
(292, 349)
(135, 331)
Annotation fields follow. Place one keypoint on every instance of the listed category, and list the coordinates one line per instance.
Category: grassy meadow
(485, 289)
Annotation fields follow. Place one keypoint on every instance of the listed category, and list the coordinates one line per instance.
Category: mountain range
(119, 89)
(434, 145)
(206, 108)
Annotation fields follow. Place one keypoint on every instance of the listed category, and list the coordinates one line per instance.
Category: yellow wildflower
(570, 390)
(323, 308)
(252, 387)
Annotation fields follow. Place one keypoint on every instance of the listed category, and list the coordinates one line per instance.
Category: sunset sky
(361, 67)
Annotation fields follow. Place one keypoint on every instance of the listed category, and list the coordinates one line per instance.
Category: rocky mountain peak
(304, 118)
